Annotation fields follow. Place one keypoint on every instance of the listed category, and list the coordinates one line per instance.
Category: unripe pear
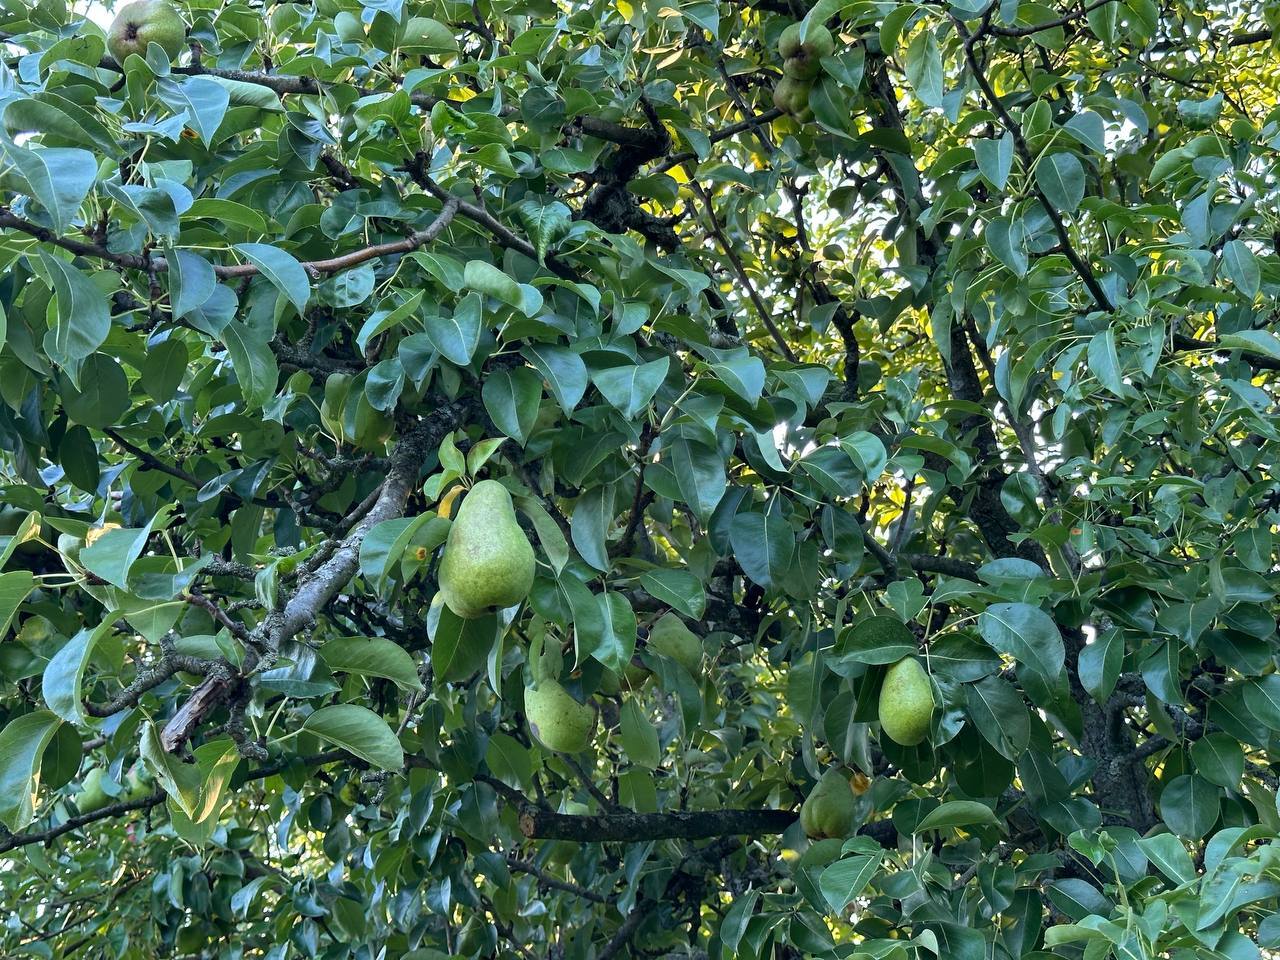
(818, 44)
(803, 67)
(488, 563)
(138, 783)
(556, 720)
(789, 41)
(144, 22)
(91, 796)
(791, 96)
(671, 638)
(830, 810)
(906, 703)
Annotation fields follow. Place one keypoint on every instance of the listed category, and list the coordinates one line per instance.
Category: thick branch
(541, 824)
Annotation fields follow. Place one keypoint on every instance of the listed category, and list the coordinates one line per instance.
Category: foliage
(975, 365)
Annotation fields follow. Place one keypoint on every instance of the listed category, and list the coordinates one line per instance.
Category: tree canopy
(856, 362)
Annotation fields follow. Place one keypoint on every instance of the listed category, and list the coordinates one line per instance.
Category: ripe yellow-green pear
(830, 809)
(143, 22)
(906, 703)
(671, 638)
(556, 720)
(488, 563)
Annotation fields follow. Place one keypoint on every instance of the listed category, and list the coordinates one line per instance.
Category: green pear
(671, 638)
(92, 796)
(818, 44)
(143, 22)
(488, 563)
(830, 810)
(556, 720)
(906, 703)
(791, 96)
(138, 783)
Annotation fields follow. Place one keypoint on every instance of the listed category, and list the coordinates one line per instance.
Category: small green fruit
(137, 784)
(144, 22)
(818, 44)
(488, 563)
(830, 810)
(672, 639)
(906, 703)
(789, 41)
(556, 720)
(791, 96)
(802, 67)
(92, 796)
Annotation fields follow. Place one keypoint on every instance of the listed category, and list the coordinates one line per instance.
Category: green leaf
(545, 222)
(371, 657)
(59, 178)
(678, 589)
(459, 648)
(638, 735)
(876, 640)
(923, 66)
(216, 761)
(359, 731)
(699, 472)
(1170, 856)
(204, 100)
(1026, 633)
(181, 781)
(763, 545)
(1100, 664)
(999, 715)
(630, 388)
(1061, 177)
(510, 761)
(1089, 129)
(15, 587)
(592, 517)
(512, 398)
(1241, 267)
(1252, 341)
(22, 743)
(282, 269)
(1189, 806)
(65, 670)
(1105, 362)
(254, 362)
(113, 554)
(845, 879)
(550, 536)
(484, 278)
(744, 375)
(457, 335)
(995, 159)
(563, 370)
(957, 813)
(1218, 758)
(83, 320)
(618, 637)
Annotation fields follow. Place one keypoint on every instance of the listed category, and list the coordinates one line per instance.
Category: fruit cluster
(801, 66)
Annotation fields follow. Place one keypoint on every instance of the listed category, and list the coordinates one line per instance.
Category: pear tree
(576, 481)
